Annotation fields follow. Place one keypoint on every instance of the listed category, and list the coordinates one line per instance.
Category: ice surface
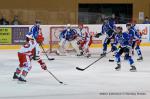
(89, 84)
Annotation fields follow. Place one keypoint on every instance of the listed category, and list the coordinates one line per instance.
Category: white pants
(37, 49)
(64, 44)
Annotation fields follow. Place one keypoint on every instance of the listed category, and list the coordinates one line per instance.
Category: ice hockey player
(68, 36)
(35, 32)
(108, 27)
(84, 41)
(25, 56)
(136, 41)
(123, 39)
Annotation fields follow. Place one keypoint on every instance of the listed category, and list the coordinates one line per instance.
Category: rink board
(2, 47)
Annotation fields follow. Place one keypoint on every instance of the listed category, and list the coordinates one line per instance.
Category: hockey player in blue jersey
(135, 39)
(68, 36)
(34, 31)
(125, 46)
(108, 27)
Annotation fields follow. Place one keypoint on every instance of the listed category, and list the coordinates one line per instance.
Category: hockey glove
(40, 39)
(138, 42)
(98, 35)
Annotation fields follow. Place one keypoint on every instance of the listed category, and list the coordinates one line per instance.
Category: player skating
(108, 27)
(35, 32)
(125, 46)
(25, 55)
(84, 40)
(68, 36)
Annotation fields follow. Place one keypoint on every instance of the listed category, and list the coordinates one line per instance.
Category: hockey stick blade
(91, 63)
(80, 69)
(56, 78)
(111, 60)
(46, 53)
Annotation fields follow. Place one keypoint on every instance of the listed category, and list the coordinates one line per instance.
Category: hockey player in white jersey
(25, 56)
(68, 36)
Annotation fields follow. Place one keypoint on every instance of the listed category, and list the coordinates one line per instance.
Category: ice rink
(100, 81)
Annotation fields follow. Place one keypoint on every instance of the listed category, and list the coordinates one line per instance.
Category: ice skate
(140, 59)
(21, 80)
(103, 54)
(118, 67)
(15, 77)
(133, 69)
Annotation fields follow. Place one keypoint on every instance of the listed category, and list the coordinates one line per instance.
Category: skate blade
(102, 55)
(21, 82)
(139, 60)
(118, 69)
(133, 70)
(89, 56)
(14, 79)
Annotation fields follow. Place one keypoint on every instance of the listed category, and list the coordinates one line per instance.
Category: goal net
(54, 37)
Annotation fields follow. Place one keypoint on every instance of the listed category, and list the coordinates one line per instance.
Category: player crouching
(68, 36)
(123, 39)
(25, 56)
(84, 41)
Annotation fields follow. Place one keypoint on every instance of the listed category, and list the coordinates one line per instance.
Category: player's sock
(139, 53)
(111, 59)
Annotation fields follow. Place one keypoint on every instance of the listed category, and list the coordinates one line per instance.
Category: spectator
(3, 21)
(146, 21)
(15, 21)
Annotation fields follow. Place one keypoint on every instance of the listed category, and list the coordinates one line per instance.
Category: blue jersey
(122, 39)
(34, 31)
(108, 28)
(137, 34)
(68, 35)
(134, 35)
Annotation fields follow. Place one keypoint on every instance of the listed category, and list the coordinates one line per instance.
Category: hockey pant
(36, 52)
(64, 44)
(127, 52)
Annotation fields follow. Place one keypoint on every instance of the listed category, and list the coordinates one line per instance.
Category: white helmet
(68, 25)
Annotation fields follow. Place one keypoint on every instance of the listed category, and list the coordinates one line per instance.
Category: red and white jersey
(28, 47)
(86, 38)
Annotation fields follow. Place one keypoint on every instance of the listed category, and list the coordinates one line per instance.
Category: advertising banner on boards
(5, 35)
(18, 34)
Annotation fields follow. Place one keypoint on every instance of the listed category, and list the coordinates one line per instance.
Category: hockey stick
(82, 69)
(56, 77)
(46, 53)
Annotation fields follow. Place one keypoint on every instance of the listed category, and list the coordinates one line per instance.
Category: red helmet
(80, 25)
